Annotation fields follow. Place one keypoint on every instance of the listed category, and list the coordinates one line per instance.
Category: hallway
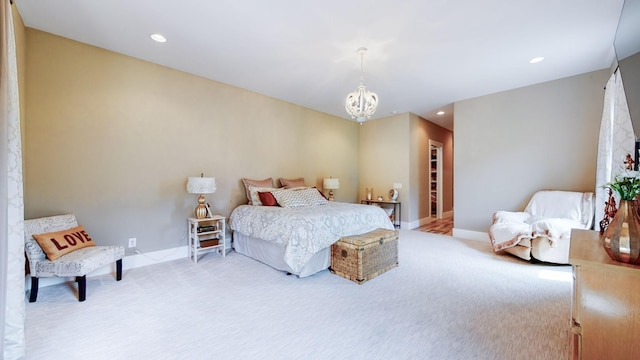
(440, 226)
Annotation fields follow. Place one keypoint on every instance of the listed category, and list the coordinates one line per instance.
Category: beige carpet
(448, 299)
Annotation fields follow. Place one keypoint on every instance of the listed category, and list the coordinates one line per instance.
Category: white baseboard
(128, 262)
(470, 235)
(160, 256)
(156, 257)
(410, 224)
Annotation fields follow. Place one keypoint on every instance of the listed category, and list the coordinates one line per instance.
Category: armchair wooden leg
(82, 287)
(34, 289)
(119, 270)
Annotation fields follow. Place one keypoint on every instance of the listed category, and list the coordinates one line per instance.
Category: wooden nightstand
(397, 209)
(206, 235)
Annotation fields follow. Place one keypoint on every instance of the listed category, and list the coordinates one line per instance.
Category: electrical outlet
(132, 242)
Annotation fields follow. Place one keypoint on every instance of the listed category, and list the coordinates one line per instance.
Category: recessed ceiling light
(440, 113)
(536, 60)
(158, 37)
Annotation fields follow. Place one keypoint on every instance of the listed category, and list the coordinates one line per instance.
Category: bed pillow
(56, 244)
(292, 183)
(254, 194)
(298, 198)
(315, 197)
(268, 182)
(267, 198)
(289, 198)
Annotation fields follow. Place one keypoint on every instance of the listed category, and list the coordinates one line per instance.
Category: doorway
(435, 221)
(435, 179)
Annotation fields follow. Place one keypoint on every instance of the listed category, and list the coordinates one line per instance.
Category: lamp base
(330, 195)
(201, 212)
(201, 209)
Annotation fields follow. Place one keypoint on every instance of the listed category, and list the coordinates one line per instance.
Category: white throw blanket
(510, 228)
(549, 213)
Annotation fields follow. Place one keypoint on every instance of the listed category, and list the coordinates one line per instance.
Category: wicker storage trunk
(362, 257)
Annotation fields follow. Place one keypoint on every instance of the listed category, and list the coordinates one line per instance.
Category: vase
(621, 239)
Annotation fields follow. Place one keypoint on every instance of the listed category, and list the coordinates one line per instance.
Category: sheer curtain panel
(12, 288)
(617, 139)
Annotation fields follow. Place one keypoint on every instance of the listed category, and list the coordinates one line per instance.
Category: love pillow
(56, 244)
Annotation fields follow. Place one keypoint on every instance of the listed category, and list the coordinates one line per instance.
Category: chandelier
(361, 104)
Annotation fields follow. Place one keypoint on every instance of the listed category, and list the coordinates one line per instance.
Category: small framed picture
(209, 213)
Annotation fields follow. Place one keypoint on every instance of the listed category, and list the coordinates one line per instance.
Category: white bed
(298, 239)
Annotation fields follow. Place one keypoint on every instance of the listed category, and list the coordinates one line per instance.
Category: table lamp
(331, 184)
(201, 185)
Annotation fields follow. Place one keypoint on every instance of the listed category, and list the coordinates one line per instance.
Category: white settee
(542, 231)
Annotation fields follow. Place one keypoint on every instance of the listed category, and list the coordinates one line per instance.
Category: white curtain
(617, 139)
(12, 289)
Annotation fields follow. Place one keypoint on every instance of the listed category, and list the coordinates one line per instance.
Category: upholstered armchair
(73, 252)
(542, 231)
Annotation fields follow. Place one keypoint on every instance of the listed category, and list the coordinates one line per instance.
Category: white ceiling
(423, 54)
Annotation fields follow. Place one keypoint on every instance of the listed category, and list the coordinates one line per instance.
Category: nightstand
(206, 235)
(396, 216)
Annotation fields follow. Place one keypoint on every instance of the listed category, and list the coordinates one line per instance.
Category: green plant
(626, 184)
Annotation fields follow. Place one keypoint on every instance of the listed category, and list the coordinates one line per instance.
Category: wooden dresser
(605, 309)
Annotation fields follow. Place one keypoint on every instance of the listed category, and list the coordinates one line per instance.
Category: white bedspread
(303, 231)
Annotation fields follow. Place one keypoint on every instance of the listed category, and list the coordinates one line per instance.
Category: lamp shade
(331, 184)
(201, 185)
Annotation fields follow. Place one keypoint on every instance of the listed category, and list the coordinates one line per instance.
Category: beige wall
(421, 132)
(113, 139)
(395, 150)
(384, 158)
(630, 72)
(510, 144)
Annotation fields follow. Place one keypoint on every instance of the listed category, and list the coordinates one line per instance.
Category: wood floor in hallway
(440, 226)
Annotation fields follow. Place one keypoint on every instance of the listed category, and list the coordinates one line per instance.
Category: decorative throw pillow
(314, 196)
(56, 244)
(289, 198)
(288, 184)
(298, 188)
(255, 198)
(268, 182)
(297, 198)
(267, 198)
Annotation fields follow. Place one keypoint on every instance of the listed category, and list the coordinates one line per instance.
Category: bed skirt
(273, 255)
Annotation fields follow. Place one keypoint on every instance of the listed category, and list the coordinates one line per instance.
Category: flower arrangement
(626, 184)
